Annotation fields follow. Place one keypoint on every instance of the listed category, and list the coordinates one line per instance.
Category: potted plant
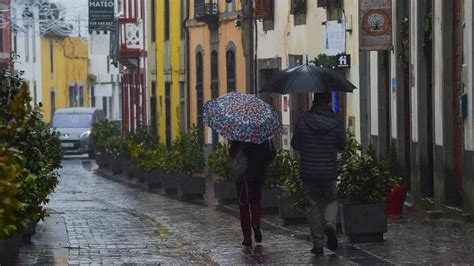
(276, 174)
(224, 189)
(188, 155)
(291, 204)
(13, 217)
(118, 149)
(144, 162)
(30, 153)
(100, 134)
(364, 183)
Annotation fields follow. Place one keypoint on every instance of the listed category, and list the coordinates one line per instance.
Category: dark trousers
(249, 196)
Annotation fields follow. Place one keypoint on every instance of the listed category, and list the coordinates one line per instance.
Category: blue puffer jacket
(319, 135)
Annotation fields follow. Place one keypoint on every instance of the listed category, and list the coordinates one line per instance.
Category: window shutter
(322, 3)
(298, 7)
(263, 9)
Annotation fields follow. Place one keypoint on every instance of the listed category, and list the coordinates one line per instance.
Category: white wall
(107, 75)
(414, 53)
(308, 39)
(374, 94)
(438, 75)
(27, 44)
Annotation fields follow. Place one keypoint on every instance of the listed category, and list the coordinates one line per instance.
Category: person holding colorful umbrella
(250, 124)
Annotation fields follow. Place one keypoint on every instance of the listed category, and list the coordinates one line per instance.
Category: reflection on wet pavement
(96, 220)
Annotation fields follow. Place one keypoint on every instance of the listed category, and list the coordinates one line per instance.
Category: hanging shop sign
(101, 15)
(376, 25)
(343, 61)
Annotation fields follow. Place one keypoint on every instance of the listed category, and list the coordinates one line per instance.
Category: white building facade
(26, 44)
(105, 85)
(294, 32)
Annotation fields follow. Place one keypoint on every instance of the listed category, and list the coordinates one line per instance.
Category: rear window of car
(72, 120)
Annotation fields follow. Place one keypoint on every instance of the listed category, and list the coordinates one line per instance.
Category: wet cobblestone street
(95, 220)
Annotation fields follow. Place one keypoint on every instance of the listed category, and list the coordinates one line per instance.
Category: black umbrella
(307, 78)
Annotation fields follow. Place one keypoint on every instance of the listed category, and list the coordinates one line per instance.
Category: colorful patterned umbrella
(242, 117)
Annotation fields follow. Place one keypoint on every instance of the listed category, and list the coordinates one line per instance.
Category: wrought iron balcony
(207, 12)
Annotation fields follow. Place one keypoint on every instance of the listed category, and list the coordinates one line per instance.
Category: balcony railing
(206, 12)
(130, 37)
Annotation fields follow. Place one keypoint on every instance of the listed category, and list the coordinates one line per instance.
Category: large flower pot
(29, 231)
(363, 222)
(142, 176)
(289, 213)
(103, 160)
(170, 184)
(129, 170)
(190, 188)
(225, 192)
(269, 201)
(155, 179)
(9, 249)
(116, 165)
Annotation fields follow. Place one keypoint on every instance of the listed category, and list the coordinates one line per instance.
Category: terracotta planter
(225, 192)
(288, 212)
(9, 249)
(270, 197)
(190, 188)
(103, 160)
(363, 222)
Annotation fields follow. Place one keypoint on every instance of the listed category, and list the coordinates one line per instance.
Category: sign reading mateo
(376, 25)
(101, 15)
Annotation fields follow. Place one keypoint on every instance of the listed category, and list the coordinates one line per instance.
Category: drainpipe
(248, 45)
(188, 65)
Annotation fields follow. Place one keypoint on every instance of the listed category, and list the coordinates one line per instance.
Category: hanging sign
(343, 61)
(375, 25)
(101, 15)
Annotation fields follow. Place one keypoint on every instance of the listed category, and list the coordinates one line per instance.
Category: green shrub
(143, 135)
(217, 161)
(288, 170)
(282, 167)
(117, 145)
(363, 178)
(149, 158)
(29, 145)
(188, 153)
(101, 133)
(13, 215)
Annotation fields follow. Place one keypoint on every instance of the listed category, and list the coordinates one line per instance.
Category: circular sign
(376, 22)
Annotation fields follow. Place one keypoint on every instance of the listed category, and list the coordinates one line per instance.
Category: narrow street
(95, 220)
(108, 222)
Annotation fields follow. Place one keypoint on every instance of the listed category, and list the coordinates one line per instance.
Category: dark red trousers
(249, 195)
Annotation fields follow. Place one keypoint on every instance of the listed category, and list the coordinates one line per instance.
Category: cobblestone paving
(110, 223)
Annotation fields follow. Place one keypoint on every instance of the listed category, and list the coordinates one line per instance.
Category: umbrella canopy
(242, 117)
(307, 78)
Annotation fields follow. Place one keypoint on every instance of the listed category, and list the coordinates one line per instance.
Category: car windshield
(71, 120)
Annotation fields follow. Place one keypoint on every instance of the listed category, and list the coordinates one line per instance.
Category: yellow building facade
(168, 70)
(64, 70)
(216, 55)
